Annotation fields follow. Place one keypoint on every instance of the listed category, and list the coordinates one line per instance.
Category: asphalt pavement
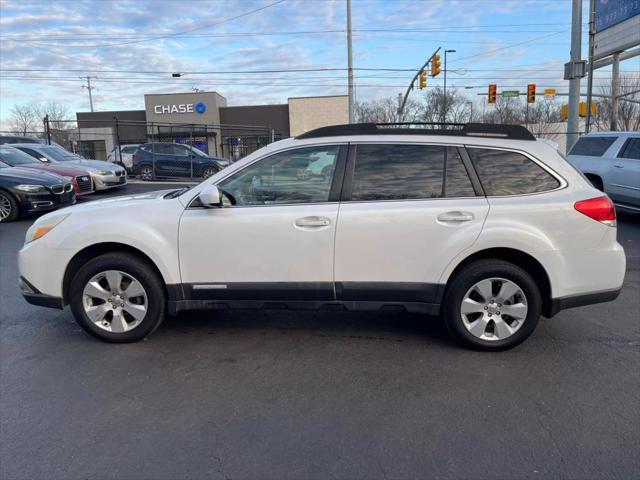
(292, 395)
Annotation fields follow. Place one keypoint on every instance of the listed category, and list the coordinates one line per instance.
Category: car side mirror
(44, 159)
(210, 197)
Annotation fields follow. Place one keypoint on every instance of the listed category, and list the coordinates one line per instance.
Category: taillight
(600, 209)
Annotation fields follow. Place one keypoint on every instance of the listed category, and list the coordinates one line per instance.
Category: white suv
(481, 223)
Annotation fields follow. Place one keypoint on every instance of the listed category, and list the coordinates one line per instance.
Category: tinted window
(397, 172)
(457, 182)
(631, 149)
(129, 149)
(31, 152)
(163, 149)
(510, 173)
(284, 178)
(13, 156)
(592, 146)
(180, 151)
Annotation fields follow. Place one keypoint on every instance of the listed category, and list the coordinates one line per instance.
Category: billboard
(617, 26)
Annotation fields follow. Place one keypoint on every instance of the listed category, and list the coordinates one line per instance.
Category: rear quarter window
(592, 146)
(503, 172)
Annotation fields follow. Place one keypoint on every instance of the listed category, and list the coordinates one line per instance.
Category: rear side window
(510, 173)
(631, 149)
(408, 172)
(592, 146)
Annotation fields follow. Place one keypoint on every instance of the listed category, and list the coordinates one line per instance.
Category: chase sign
(199, 107)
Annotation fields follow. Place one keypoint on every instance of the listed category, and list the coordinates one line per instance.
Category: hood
(57, 168)
(93, 164)
(31, 175)
(124, 201)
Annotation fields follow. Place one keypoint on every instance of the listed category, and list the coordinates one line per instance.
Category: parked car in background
(104, 175)
(483, 224)
(611, 162)
(8, 139)
(79, 178)
(25, 190)
(157, 160)
(123, 155)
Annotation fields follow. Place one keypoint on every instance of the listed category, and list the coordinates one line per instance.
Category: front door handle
(313, 222)
(455, 217)
(618, 166)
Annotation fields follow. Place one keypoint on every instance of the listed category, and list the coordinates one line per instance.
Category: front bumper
(33, 296)
(104, 182)
(44, 202)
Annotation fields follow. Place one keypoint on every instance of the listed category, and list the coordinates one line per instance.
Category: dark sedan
(24, 190)
(153, 160)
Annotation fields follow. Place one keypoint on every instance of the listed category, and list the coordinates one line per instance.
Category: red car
(79, 178)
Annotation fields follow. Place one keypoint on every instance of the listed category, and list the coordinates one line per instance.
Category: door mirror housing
(210, 197)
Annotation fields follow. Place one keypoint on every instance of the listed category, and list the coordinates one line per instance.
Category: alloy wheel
(115, 301)
(146, 173)
(5, 207)
(207, 172)
(494, 309)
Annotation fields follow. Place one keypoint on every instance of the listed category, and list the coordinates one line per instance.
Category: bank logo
(201, 107)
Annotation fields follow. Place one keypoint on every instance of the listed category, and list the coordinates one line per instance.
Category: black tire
(132, 265)
(9, 202)
(208, 171)
(144, 175)
(471, 275)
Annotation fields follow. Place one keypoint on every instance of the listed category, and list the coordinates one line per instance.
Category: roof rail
(513, 132)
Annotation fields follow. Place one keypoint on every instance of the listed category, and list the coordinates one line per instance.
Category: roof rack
(495, 130)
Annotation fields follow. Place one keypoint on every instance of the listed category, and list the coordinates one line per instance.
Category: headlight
(31, 188)
(103, 172)
(41, 227)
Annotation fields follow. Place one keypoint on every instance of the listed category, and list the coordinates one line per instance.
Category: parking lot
(278, 394)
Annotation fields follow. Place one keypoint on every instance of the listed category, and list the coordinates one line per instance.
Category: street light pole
(445, 102)
(350, 62)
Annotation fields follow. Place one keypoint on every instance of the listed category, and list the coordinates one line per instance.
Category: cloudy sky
(131, 47)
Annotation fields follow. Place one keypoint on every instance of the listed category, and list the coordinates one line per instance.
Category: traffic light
(583, 109)
(435, 65)
(423, 79)
(493, 92)
(564, 112)
(531, 93)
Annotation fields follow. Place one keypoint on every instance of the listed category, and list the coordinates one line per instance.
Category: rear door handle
(313, 222)
(618, 166)
(455, 217)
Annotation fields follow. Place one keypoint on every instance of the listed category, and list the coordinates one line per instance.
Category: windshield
(55, 153)
(13, 157)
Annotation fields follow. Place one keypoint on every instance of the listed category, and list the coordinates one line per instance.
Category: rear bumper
(33, 296)
(558, 304)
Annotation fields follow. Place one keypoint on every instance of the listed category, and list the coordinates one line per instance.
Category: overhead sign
(611, 12)
(549, 93)
(510, 93)
(180, 108)
(617, 26)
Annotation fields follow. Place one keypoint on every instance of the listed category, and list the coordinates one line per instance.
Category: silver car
(611, 162)
(105, 175)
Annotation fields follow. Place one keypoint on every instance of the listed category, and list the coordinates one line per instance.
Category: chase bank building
(204, 120)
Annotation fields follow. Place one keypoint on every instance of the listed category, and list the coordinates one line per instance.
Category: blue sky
(510, 43)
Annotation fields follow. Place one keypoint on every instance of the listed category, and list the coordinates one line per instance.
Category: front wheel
(117, 297)
(208, 171)
(146, 172)
(492, 305)
(8, 207)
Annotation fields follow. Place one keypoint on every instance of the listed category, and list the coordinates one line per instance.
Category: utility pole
(615, 90)
(573, 75)
(89, 88)
(592, 36)
(350, 60)
(445, 102)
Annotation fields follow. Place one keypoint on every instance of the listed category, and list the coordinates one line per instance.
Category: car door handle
(618, 166)
(455, 217)
(313, 222)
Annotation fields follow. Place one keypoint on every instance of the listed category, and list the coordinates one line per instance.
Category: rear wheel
(492, 305)
(8, 207)
(117, 297)
(146, 172)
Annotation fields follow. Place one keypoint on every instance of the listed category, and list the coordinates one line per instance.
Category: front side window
(284, 178)
(398, 172)
(14, 157)
(631, 149)
(592, 146)
(129, 149)
(510, 173)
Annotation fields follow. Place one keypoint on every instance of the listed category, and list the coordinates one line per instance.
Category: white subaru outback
(479, 223)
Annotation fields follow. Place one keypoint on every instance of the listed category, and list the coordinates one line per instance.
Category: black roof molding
(493, 130)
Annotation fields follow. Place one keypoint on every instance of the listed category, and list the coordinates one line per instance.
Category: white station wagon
(478, 223)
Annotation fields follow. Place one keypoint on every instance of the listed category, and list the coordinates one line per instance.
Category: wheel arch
(519, 258)
(597, 178)
(92, 251)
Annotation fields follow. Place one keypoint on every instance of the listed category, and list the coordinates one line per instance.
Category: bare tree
(385, 110)
(58, 114)
(23, 119)
(628, 112)
(454, 108)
